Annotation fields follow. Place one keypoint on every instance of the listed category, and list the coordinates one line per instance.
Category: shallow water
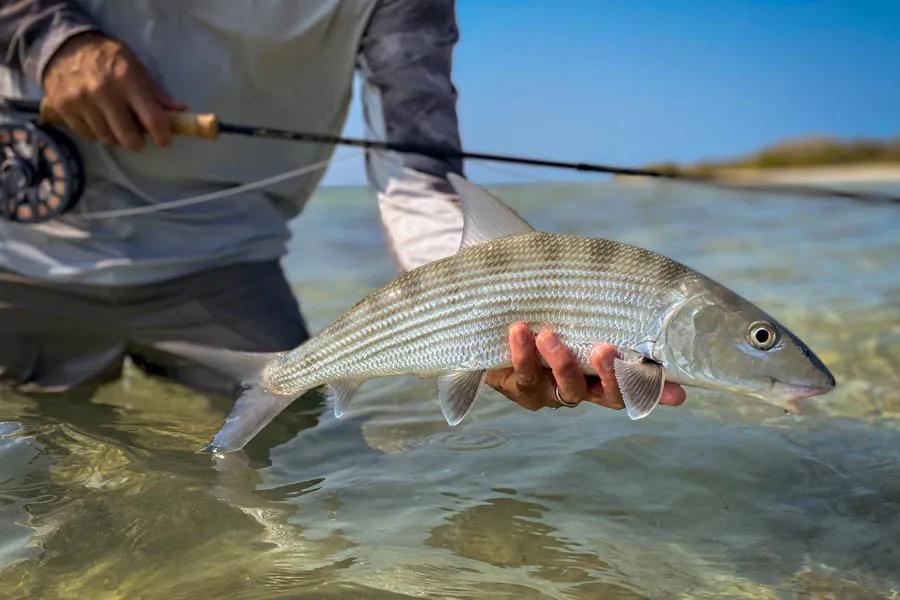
(721, 498)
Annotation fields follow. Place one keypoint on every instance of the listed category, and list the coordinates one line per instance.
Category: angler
(82, 293)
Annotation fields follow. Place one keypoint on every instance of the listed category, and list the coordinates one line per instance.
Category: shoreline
(851, 173)
(860, 173)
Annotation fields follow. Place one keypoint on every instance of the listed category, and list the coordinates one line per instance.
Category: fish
(450, 318)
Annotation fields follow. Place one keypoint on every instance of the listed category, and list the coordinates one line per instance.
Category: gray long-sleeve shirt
(277, 63)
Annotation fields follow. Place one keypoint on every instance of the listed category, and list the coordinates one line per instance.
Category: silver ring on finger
(562, 402)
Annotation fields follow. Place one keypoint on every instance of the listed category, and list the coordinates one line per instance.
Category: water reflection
(510, 533)
(106, 499)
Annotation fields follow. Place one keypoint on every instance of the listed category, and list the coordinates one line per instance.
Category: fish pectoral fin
(252, 411)
(485, 217)
(340, 393)
(457, 392)
(641, 383)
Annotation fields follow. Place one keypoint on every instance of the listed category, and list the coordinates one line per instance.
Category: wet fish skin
(453, 314)
(450, 318)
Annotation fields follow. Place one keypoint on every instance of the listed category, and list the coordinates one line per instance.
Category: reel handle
(198, 125)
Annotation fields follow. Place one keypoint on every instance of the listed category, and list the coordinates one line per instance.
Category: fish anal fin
(641, 383)
(340, 392)
(485, 217)
(457, 392)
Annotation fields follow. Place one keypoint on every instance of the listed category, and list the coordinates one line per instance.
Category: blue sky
(636, 82)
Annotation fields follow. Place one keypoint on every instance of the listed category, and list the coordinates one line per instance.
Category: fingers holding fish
(526, 383)
(532, 386)
(526, 366)
(505, 381)
(606, 391)
(673, 394)
(569, 379)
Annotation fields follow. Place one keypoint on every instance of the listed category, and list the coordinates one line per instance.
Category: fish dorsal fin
(457, 391)
(641, 384)
(485, 217)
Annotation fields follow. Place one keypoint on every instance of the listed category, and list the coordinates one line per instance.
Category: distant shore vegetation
(804, 152)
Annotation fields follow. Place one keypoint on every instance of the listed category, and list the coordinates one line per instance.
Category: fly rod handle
(199, 125)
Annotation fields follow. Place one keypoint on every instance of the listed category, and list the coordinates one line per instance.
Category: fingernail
(523, 336)
(551, 342)
(603, 361)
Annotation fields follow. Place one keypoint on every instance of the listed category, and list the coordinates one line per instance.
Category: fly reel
(41, 174)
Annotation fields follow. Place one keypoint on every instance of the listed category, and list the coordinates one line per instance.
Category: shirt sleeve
(31, 31)
(408, 97)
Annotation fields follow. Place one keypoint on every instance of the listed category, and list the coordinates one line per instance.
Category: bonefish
(449, 319)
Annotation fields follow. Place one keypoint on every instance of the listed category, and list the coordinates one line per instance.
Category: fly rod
(208, 126)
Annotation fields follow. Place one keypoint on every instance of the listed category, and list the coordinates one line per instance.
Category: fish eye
(762, 335)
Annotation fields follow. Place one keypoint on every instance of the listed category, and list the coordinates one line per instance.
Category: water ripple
(465, 441)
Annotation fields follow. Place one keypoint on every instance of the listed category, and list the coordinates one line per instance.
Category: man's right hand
(531, 385)
(103, 92)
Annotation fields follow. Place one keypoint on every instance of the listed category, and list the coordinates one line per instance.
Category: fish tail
(254, 409)
(257, 404)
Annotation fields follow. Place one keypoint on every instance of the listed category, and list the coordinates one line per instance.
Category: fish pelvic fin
(457, 392)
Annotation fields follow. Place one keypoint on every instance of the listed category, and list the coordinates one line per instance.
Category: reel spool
(41, 174)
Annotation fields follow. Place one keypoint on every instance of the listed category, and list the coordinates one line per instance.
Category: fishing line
(211, 196)
(511, 172)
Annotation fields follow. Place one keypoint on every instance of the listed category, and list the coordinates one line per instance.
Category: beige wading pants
(54, 337)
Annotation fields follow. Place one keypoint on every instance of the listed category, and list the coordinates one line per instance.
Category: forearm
(409, 97)
(405, 59)
(422, 218)
(32, 30)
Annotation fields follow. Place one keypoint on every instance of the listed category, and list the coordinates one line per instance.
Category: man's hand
(529, 384)
(103, 92)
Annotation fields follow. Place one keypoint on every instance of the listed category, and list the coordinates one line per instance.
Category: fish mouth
(801, 392)
(789, 393)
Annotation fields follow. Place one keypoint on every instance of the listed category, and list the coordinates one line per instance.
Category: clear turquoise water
(724, 497)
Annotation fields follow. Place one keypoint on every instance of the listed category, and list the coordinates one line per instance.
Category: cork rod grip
(198, 125)
(49, 115)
